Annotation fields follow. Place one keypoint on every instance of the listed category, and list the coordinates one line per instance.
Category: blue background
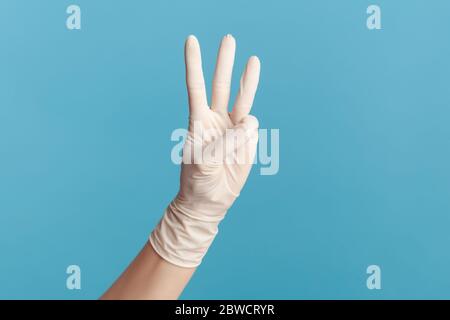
(85, 124)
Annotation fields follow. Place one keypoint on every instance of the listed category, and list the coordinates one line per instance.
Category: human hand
(217, 156)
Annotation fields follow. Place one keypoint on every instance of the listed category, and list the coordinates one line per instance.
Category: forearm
(149, 277)
(227, 143)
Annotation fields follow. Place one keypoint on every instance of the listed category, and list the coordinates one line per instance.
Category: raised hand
(217, 156)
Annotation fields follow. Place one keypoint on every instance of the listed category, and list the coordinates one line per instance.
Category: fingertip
(250, 122)
(229, 40)
(252, 71)
(254, 62)
(227, 47)
(191, 41)
(191, 37)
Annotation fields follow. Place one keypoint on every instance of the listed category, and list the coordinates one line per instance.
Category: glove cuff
(182, 239)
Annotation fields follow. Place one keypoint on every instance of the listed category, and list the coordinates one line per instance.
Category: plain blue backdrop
(85, 124)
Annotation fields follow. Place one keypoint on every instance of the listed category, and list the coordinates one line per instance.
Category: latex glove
(217, 156)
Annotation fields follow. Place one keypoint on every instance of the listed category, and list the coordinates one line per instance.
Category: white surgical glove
(217, 157)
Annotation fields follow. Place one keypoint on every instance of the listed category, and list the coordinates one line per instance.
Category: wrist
(183, 237)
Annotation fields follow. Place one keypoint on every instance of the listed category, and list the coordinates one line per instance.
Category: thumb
(226, 146)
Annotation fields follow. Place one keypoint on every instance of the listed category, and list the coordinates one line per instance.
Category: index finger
(194, 76)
